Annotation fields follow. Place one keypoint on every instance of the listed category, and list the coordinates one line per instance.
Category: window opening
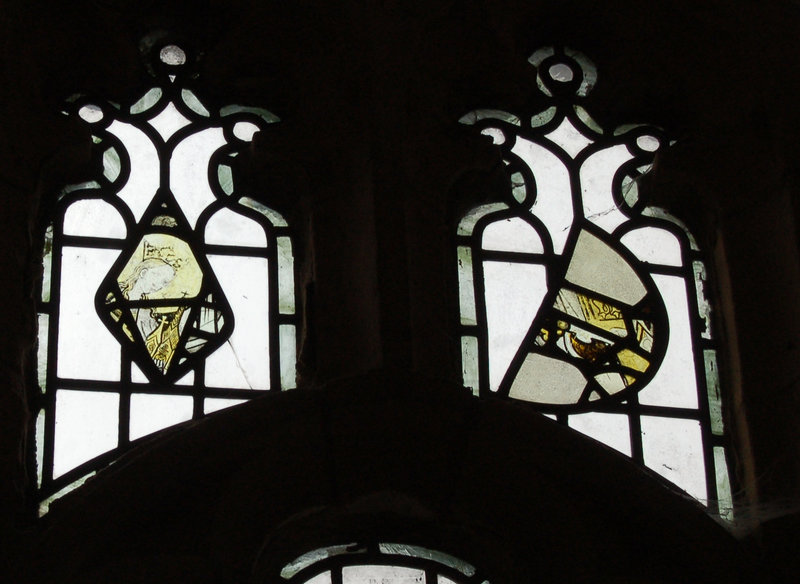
(167, 291)
(388, 563)
(578, 298)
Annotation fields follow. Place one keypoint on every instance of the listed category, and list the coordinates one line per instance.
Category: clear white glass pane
(143, 181)
(566, 136)
(227, 227)
(323, 578)
(245, 130)
(469, 363)
(86, 349)
(466, 286)
(654, 246)
(512, 234)
(93, 218)
(285, 276)
(553, 204)
(597, 176)
(514, 293)
(611, 429)
(288, 340)
(213, 404)
(382, 574)
(150, 413)
(169, 121)
(243, 361)
(188, 167)
(674, 449)
(87, 425)
(675, 382)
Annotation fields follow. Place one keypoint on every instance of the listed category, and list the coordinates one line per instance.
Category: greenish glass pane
(315, 556)
(415, 551)
(266, 115)
(41, 357)
(584, 116)
(518, 189)
(225, 177)
(190, 99)
(467, 224)
(724, 494)
(44, 506)
(630, 191)
(714, 393)
(285, 276)
(544, 117)
(111, 164)
(469, 363)
(274, 217)
(47, 263)
(489, 114)
(288, 344)
(88, 185)
(147, 101)
(660, 213)
(703, 307)
(466, 286)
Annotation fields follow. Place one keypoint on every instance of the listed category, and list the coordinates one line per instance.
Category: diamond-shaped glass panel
(166, 304)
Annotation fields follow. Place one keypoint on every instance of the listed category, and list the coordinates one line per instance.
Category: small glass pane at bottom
(150, 413)
(673, 448)
(383, 574)
(86, 426)
(213, 404)
(611, 429)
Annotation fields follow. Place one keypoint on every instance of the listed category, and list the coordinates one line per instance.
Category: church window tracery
(578, 298)
(167, 292)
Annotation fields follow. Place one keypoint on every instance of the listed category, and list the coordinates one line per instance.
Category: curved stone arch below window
(387, 458)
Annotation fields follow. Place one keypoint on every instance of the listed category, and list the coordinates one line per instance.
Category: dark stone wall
(371, 167)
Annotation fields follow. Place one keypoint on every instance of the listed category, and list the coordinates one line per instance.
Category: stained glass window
(388, 563)
(168, 291)
(578, 298)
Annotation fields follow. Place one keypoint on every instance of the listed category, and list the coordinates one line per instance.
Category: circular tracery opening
(561, 72)
(172, 55)
(387, 563)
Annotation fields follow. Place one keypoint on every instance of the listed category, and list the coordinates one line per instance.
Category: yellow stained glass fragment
(591, 310)
(628, 358)
(162, 266)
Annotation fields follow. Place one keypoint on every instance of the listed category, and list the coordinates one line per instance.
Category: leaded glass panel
(168, 292)
(581, 300)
